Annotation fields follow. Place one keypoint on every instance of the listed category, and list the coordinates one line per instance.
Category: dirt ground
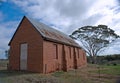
(89, 74)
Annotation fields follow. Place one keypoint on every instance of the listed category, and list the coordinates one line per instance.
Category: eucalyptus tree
(94, 38)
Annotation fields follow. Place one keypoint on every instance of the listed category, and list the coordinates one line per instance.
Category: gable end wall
(26, 33)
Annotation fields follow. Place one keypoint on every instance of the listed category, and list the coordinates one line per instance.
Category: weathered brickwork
(43, 56)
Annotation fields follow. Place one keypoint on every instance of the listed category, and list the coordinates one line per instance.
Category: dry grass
(89, 74)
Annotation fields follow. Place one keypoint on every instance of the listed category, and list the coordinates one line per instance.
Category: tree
(7, 54)
(94, 38)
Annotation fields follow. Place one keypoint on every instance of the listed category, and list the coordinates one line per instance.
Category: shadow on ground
(9, 73)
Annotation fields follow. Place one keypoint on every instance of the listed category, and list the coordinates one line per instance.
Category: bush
(114, 64)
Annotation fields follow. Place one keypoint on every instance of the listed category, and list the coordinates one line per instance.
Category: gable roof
(50, 34)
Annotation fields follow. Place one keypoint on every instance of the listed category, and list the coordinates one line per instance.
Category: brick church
(36, 47)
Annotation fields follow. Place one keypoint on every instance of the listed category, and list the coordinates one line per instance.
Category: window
(56, 51)
(78, 52)
(83, 56)
(45, 68)
(70, 52)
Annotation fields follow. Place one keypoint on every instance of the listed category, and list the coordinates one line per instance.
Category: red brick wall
(26, 33)
(69, 57)
(66, 56)
(51, 61)
(42, 54)
(81, 60)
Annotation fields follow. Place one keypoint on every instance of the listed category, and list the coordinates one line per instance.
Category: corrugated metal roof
(49, 33)
(52, 34)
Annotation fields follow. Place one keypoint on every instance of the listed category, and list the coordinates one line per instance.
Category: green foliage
(94, 38)
(107, 59)
(112, 70)
(58, 73)
(112, 57)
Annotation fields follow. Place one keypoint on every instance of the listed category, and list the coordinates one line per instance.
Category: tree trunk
(93, 59)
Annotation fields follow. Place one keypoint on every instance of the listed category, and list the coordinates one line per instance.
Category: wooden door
(23, 56)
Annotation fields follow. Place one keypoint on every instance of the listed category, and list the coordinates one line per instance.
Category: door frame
(20, 56)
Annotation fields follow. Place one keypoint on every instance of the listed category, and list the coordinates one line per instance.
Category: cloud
(3, 0)
(61, 13)
(68, 15)
(1, 16)
(114, 48)
(6, 31)
(72, 9)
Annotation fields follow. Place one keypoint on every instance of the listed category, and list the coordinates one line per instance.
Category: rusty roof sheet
(52, 34)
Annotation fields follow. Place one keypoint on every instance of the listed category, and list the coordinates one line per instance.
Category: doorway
(23, 56)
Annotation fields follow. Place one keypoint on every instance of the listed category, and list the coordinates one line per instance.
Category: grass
(68, 77)
(3, 64)
(107, 69)
(89, 74)
(58, 73)
(112, 70)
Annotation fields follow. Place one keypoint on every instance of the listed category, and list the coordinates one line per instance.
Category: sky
(63, 15)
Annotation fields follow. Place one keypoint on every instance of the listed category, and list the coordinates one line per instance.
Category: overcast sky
(63, 15)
